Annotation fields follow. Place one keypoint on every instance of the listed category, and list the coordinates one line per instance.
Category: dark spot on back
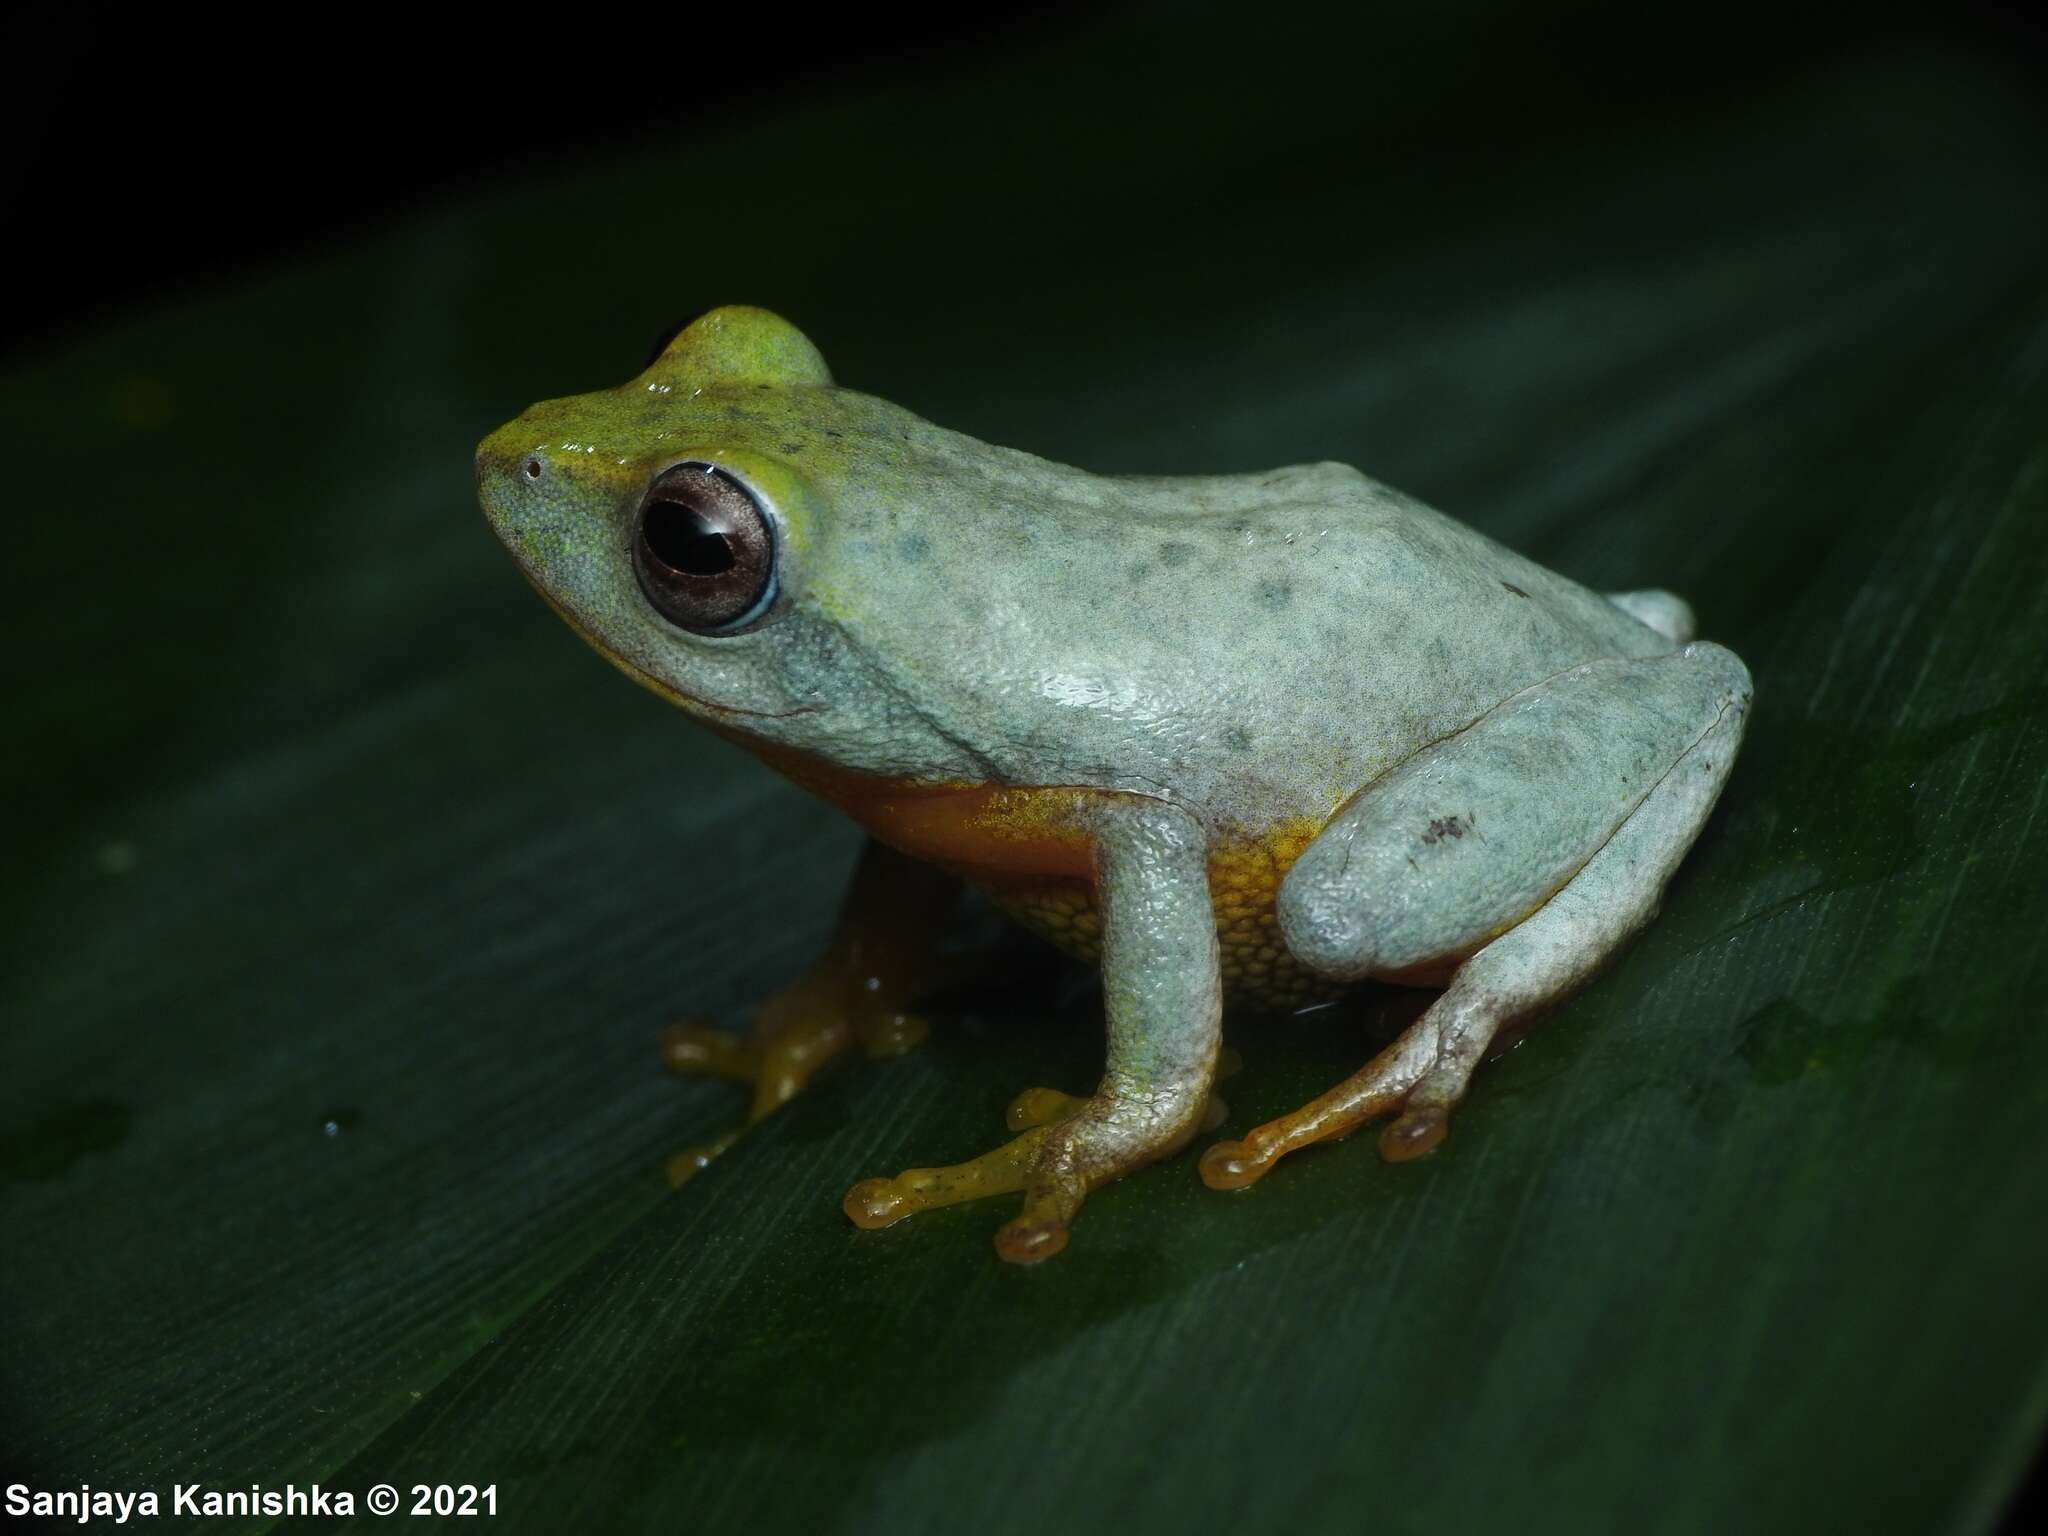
(1173, 555)
(1237, 738)
(1514, 589)
(1442, 827)
(914, 547)
(792, 447)
(1275, 592)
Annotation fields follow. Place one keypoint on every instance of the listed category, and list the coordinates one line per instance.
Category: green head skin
(843, 483)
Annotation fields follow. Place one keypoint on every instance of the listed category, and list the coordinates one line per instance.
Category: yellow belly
(1243, 881)
(1031, 851)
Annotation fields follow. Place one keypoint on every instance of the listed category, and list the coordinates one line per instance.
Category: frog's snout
(501, 467)
(528, 498)
(533, 501)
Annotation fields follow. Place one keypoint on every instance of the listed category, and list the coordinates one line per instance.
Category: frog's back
(1260, 647)
(1385, 587)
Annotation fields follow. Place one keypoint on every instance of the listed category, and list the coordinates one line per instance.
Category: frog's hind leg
(1523, 853)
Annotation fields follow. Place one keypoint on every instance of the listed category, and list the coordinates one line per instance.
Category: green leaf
(355, 890)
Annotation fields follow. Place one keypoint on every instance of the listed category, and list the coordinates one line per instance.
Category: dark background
(152, 154)
(152, 149)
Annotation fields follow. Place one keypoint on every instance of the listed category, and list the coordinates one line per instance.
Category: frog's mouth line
(648, 680)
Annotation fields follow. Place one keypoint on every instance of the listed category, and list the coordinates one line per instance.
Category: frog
(1251, 739)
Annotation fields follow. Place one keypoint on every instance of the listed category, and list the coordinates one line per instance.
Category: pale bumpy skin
(1488, 772)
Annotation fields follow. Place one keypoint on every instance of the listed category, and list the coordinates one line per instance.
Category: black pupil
(683, 540)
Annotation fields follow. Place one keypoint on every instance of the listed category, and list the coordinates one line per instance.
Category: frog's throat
(978, 830)
(653, 684)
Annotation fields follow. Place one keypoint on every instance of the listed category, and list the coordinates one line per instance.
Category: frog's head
(706, 527)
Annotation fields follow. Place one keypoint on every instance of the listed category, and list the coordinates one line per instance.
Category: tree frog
(1252, 736)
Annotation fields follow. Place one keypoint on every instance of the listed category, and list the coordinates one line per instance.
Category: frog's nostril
(531, 469)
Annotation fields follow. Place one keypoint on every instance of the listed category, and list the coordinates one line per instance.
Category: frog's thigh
(1613, 893)
(1471, 835)
(1162, 994)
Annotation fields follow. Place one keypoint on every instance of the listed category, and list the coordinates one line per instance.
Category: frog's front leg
(1163, 996)
(1517, 855)
(881, 957)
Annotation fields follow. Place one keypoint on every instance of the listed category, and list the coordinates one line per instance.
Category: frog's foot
(696, 1049)
(1422, 1075)
(691, 1161)
(798, 1032)
(1068, 1147)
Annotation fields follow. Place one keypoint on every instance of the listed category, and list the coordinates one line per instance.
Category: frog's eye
(703, 550)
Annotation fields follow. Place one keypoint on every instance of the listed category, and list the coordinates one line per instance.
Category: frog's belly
(1030, 850)
(1243, 883)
